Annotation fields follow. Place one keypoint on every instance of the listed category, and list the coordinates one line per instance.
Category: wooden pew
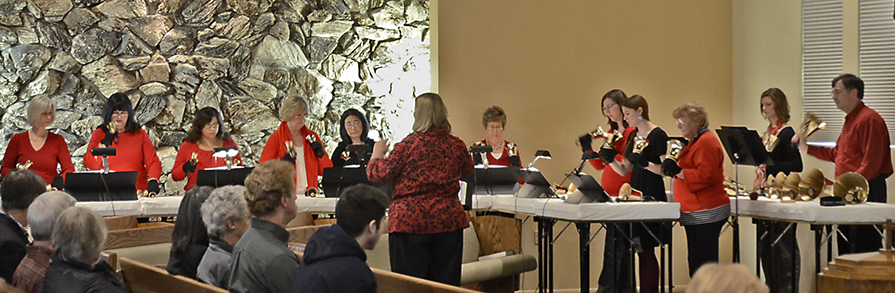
(388, 282)
(141, 277)
(124, 231)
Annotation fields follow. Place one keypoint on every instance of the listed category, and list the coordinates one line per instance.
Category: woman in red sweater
(294, 142)
(699, 185)
(44, 149)
(504, 153)
(616, 268)
(135, 151)
(206, 134)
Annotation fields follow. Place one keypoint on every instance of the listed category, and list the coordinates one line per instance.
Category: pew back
(149, 279)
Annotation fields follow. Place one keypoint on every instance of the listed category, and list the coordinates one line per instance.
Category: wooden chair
(140, 277)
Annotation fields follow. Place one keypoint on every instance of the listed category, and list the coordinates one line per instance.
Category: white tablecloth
(812, 212)
(316, 204)
(143, 207)
(596, 212)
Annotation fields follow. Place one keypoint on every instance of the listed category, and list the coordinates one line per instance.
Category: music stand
(492, 180)
(336, 179)
(743, 147)
(535, 184)
(99, 186)
(589, 190)
(220, 176)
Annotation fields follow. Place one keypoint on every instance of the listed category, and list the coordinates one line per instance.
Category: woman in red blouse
(426, 219)
(616, 268)
(44, 149)
(206, 134)
(294, 142)
(135, 151)
(504, 153)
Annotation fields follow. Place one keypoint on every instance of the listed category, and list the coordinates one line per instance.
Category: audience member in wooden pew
(135, 151)
(207, 133)
(262, 262)
(353, 129)
(334, 260)
(427, 220)
(190, 237)
(226, 215)
(38, 149)
(42, 214)
(76, 265)
(18, 190)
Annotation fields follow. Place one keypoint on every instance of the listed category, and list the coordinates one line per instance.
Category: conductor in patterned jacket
(426, 217)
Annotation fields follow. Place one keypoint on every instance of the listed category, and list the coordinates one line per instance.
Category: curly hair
(693, 111)
(494, 114)
(224, 203)
(267, 184)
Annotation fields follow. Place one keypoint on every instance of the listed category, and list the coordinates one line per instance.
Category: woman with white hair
(226, 215)
(38, 147)
(295, 143)
(42, 214)
(78, 238)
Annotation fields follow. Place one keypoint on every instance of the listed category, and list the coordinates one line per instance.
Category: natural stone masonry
(172, 57)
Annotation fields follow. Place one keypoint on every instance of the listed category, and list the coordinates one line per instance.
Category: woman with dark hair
(780, 261)
(38, 149)
(353, 128)
(135, 151)
(189, 240)
(197, 152)
(643, 156)
(426, 219)
(503, 153)
(617, 268)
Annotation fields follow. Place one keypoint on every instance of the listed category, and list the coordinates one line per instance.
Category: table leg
(584, 254)
(736, 239)
(818, 232)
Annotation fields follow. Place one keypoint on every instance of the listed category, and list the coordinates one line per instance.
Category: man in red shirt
(862, 147)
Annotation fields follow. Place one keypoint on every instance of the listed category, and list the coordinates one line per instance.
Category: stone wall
(173, 57)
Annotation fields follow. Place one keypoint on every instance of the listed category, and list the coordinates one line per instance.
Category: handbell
(312, 192)
(674, 149)
(852, 188)
(112, 126)
(811, 125)
(770, 142)
(640, 143)
(812, 185)
(290, 149)
(790, 188)
(626, 192)
(194, 158)
(24, 166)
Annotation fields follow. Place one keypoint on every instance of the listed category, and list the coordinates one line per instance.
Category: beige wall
(548, 65)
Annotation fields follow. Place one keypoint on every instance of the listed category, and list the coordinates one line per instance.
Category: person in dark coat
(18, 190)
(189, 240)
(334, 259)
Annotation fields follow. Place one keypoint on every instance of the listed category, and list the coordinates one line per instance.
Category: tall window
(821, 61)
(877, 58)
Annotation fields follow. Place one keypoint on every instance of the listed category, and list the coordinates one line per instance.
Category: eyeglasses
(118, 114)
(212, 126)
(606, 109)
(495, 127)
(353, 124)
(302, 115)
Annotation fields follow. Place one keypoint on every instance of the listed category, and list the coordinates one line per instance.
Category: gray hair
(223, 204)
(293, 105)
(79, 235)
(38, 105)
(44, 210)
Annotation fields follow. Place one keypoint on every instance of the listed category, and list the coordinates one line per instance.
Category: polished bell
(811, 124)
(674, 148)
(812, 184)
(640, 144)
(852, 188)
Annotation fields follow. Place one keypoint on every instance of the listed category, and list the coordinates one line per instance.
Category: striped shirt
(705, 216)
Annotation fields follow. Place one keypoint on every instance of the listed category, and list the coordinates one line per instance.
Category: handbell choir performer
(295, 143)
(197, 152)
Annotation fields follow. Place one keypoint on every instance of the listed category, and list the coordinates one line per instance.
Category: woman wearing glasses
(134, 150)
(42, 148)
(503, 153)
(353, 129)
(295, 143)
(197, 152)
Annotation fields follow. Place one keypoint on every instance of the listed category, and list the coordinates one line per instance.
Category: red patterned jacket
(425, 168)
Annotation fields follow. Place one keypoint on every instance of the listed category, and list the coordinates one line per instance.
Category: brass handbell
(770, 142)
(24, 166)
(812, 185)
(194, 158)
(610, 138)
(290, 149)
(146, 193)
(597, 133)
(674, 149)
(790, 190)
(811, 124)
(312, 192)
(51, 188)
(640, 143)
(626, 192)
(511, 150)
(852, 188)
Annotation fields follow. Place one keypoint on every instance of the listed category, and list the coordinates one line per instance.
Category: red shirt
(276, 149)
(863, 145)
(205, 158)
(134, 152)
(425, 168)
(29, 276)
(44, 161)
(611, 180)
(702, 185)
(505, 155)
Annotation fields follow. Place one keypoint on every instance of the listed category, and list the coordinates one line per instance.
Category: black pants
(781, 262)
(436, 257)
(617, 262)
(702, 244)
(864, 237)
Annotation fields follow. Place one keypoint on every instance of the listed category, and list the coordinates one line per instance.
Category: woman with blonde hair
(295, 143)
(39, 148)
(426, 217)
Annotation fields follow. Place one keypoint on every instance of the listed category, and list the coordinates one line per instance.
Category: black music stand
(492, 180)
(97, 186)
(217, 177)
(336, 179)
(588, 189)
(743, 147)
(535, 184)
